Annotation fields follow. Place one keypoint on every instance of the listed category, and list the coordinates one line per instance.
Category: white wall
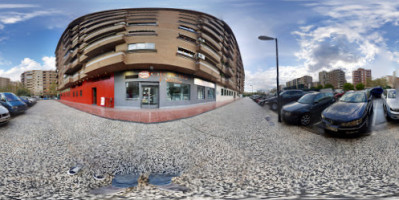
(219, 96)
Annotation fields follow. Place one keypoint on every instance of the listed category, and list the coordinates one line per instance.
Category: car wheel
(274, 106)
(305, 119)
(366, 125)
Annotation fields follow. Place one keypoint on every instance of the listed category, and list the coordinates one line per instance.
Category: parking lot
(377, 121)
(236, 151)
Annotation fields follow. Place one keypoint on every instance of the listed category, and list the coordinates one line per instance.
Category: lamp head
(263, 37)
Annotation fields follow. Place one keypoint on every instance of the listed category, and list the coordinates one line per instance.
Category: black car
(308, 108)
(286, 97)
(350, 114)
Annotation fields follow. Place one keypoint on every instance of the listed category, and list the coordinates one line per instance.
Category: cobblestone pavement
(236, 151)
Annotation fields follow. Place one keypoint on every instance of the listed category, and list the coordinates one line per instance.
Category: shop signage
(201, 82)
(144, 74)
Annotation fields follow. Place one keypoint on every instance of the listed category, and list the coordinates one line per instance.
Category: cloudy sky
(312, 35)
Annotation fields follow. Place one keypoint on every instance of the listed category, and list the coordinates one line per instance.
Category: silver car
(391, 104)
(4, 115)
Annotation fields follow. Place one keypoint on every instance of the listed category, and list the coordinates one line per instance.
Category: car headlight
(322, 116)
(352, 123)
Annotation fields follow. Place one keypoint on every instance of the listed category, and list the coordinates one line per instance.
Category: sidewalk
(146, 115)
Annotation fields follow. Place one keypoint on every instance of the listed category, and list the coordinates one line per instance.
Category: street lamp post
(262, 37)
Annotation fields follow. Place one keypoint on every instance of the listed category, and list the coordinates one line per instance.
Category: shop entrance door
(150, 95)
(94, 91)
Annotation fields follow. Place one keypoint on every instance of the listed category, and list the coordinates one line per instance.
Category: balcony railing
(105, 30)
(108, 40)
(105, 60)
(210, 51)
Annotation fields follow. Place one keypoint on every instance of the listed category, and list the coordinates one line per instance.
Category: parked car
(26, 101)
(308, 108)
(350, 114)
(4, 115)
(13, 104)
(376, 92)
(30, 101)
(390, 104)
(286, 97)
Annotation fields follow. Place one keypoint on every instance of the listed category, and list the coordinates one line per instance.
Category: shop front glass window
(132, 90)
(178, 91)
(201, 92)
(211, 93)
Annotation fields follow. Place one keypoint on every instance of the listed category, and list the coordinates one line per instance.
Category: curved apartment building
(148, 58)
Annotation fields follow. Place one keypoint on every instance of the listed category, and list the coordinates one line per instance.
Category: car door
(318, 105)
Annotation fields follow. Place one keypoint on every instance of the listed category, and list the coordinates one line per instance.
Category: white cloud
(350, 37)
(14, 17)
(48, 63)
(10, 6)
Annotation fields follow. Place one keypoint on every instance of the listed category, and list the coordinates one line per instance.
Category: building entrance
(150, 95)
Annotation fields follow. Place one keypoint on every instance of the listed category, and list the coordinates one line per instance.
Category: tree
(360, 86)
(22, 91)
(329, 85)
(319, 87)
(348, 86)
(379, 82)
(53, 89)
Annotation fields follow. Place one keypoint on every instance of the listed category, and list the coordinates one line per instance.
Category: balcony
(209, 39)
(75, 77)
(105, 61)
(208, 69)
(210, 52)
(75, 42)
(228, 70)
(104, 43)
(105, 30)
(217, 31)
(74, 66)
(212, 32)
(101, 24)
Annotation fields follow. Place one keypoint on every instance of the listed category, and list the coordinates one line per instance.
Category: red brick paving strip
(146, 115)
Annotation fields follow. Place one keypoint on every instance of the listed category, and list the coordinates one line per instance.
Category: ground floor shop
(147, 89)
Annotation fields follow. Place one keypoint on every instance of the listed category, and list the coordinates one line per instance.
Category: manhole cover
(125, 181)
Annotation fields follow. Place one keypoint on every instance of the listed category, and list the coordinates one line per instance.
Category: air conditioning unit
(201, 40)
(201, 56)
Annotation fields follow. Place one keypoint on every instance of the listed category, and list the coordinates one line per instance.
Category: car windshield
(353, 97)
(11, 97)
(392, 94)
(307, 99)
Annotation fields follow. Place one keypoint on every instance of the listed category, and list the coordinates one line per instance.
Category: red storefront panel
(83, 93)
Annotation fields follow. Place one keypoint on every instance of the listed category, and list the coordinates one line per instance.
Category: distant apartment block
(4, 82)
(335, 77)
(323, 78)
(361, 76)
(38, 81)
(300, 83)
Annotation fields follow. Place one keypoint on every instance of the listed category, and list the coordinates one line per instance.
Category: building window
(142, 32)
(178, 91)
(211, 93)
(80, 92)
(143, 24)
(187, 29)
(185, 52)
(132, 90)
(201, 92)
(222, 92)
(141, 46)
(73, 94)
(186, 38)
